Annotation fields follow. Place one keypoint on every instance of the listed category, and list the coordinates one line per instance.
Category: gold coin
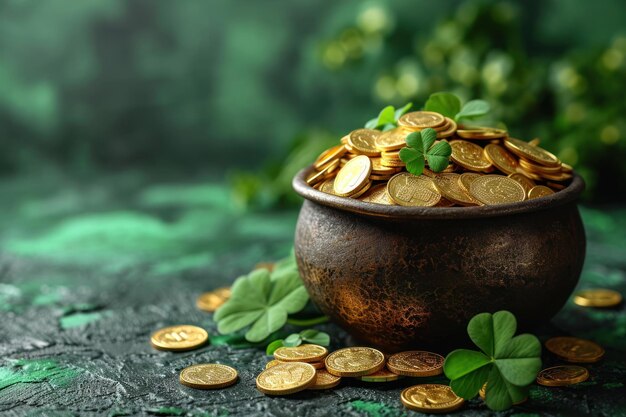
(530, 174)
(540, 169)
(539, 191)
(448, 186)
(466, 179)
(353, 176)
(431, 398)
(179, 338)
(598, 297)
(483, 392)
(523, 180)
(444, 202)
(566, 168)
(208, 376)
(408, 190)
(560, 376)
(392, 140)
(363, 190)
(286, 378)
(212, 300)
(501, 158)
(416, 363)
(336, 152)
(384, 375)
(363, 141)
(483, 133)
(377, 195)
(496, 189)
(302, 353)
(315, 177)
(379, 168)
(274, 362)
(555, 186)
(560, 177)
(325, 380)
(534, 153)
(469, 155)
(355, 361)
(421, 120)
(450, 128)
(573, 349)
(327, 186)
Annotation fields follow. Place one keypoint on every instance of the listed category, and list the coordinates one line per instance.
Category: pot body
(414, 283)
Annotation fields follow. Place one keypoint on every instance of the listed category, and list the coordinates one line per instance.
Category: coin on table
(560, 376)
(524, 181)
(539, 191)
(534, 153)
(384, 375)
(392, 140)
(324, 380)
(416, 363)
(355, 361)
(179, 338)
(431, 398)
(466, 178)
(421, 120)
(353, 176)
(469, 155)
(496, 189)
(378, 195)
(212, 300)
(286, 378)
(302, 353)
(408, 190)
(449, 187)
(598, 297)
(573, 349)
(501, 158)
(336, 152)
(363, 141)
(208, 376)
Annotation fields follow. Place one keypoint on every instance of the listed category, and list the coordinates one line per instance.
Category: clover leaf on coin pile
(296, 339)
(507, 364)
(262, 300)
(449, 105)
(388, 117)
(421, 148)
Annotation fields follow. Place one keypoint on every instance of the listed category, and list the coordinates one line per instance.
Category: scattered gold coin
(469, 155)
(208, 376)
(416, 363)
(302, 353)
(408, 190)
(353, 176)
(355, 361)
(431, 398)
(212, 300)
(179, 338)
(421, 120)
(449, 187)
(384, 375)
(363, 141)
(392, 140)
(286, 378)
(324, 380)
(496, 189)
(560, 376)
(501, 158)
(598, 297)
(573, 349)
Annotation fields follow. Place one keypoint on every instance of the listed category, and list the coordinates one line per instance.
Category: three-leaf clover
(422, 148)
(388, 117)
(262, 300)
(506, 364)
(450, 105)
(296, 339)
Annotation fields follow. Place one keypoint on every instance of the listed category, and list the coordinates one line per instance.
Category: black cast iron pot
(402, 277)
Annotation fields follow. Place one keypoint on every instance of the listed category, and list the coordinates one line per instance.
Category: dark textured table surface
(87, 272)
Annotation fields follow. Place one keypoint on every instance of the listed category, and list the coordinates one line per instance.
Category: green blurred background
(250, 91)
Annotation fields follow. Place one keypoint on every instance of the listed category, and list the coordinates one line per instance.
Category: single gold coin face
(496, 189)
(178, 338)
(336, 152)
(353, 176)
(560, 376)
(384, 375)
(377, 195)
(212, 300)
(355, 361)
(408, 190)
(598, 297)
(431, 398)
(449, 187)
(523, 180)
(208, 376)
(469, 155)
(392, 140)
(421, 120)
(501, 158)
(363, 141)
(534, 153)
(328, 186)
(573, 349)
(539, 191)
(286, 378)
(416, 363)
(302, 353)
(466, 179)
(324, 380)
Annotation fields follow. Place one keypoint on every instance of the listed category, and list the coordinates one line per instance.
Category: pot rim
(568, 195)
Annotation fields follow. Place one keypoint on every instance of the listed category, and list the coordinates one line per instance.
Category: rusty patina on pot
(400, 277)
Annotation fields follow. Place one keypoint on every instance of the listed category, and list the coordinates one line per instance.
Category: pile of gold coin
(487, 167)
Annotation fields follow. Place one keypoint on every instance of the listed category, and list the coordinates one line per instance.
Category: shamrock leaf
(316, 337)
(292, 340)
(446, 104)
(388, 117)
(271, 348)
(506, 364)
(262, 300)
(473, 109)
(402, 111)
(421, 148)
(296, 339)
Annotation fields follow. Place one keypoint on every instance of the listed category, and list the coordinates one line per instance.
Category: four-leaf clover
(422, 148)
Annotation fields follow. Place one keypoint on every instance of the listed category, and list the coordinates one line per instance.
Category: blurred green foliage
(257, 89)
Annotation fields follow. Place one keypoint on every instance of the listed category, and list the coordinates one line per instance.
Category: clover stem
(308, 322)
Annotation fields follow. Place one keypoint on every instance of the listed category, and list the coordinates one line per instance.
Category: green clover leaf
(443, 103)
(473, 109)
(421, 148)
(388, 117)
(506, 364)
(296, 339)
